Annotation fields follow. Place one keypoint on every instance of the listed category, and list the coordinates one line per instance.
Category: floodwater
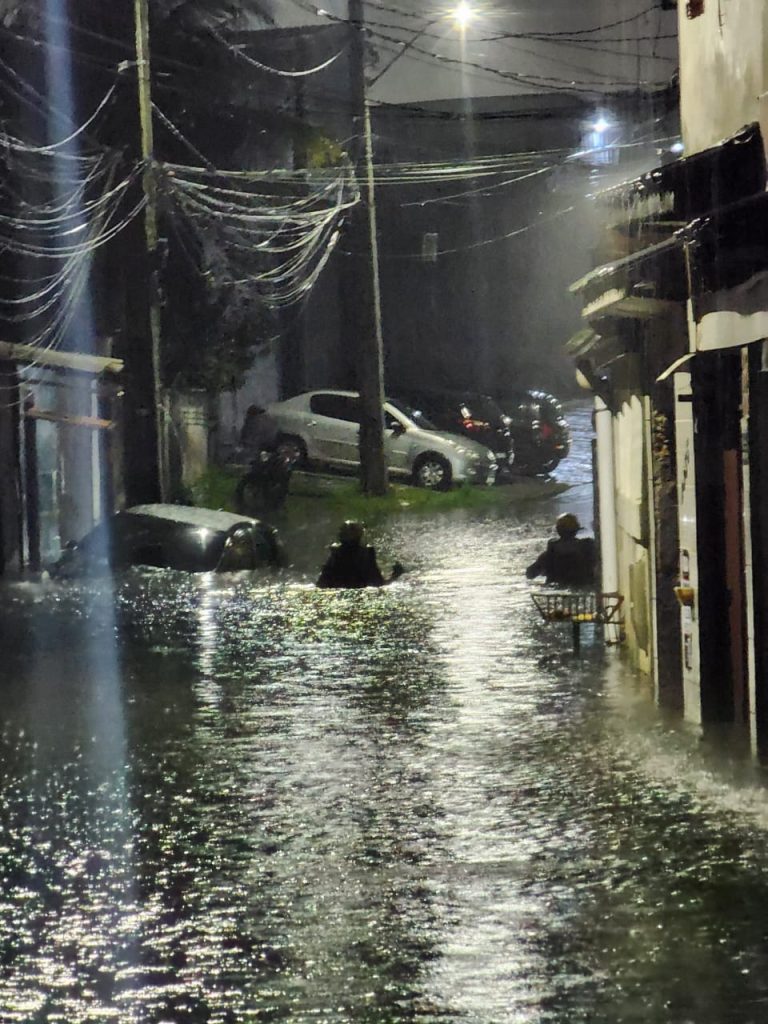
(242, 800)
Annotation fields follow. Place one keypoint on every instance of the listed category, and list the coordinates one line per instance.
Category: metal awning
(675, 366)
(648, 283)
(729, 246)
(685, 189)
(78, 362)
(582, 343)
(600, 349)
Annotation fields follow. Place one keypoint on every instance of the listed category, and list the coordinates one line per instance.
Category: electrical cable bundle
(271, 232)
(60, 206)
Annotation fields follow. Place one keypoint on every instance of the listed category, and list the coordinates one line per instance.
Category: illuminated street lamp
(464, 14)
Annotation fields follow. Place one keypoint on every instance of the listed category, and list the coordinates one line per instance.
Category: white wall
(722, 69)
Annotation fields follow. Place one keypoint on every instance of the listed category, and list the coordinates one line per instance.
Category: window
(238, 552)
(338, 407)
(416, 415)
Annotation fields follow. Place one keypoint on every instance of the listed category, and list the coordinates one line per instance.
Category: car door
(336, 428)
(397, 444)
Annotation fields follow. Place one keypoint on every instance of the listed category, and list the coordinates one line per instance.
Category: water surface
(239, 799)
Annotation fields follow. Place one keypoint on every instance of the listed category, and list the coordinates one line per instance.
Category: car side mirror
(397, 428)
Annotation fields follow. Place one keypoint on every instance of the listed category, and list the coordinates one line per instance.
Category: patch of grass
(341, 497)
(215, 489)
(347, 501)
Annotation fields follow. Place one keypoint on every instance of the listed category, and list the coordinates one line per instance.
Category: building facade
(674, 345)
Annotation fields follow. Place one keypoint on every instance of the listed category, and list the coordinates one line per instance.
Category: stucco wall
(722, 69)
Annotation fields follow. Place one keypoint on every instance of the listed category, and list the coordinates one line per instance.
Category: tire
(545, 467)
(291, 447)
(432, 472)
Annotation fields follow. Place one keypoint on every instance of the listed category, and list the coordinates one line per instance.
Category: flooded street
(241, 799)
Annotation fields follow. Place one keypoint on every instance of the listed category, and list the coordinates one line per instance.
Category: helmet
(567, 523)
(351, 532)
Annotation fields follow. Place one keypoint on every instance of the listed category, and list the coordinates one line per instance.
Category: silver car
(322, 427)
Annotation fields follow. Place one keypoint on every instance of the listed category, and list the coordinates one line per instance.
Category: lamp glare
(463, 14)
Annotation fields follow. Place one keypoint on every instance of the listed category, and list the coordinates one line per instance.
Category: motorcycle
(263, 489)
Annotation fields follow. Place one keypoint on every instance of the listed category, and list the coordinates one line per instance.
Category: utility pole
(149, 181)
(365, 287)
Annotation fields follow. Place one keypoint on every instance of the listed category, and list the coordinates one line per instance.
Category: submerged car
(173, 537)
(321, 428)
(475, 416)
(540, 430)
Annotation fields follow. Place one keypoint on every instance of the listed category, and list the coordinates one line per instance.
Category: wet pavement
(239, 799)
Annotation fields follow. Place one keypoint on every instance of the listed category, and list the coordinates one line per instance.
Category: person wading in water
(352, 564)
(568, 560)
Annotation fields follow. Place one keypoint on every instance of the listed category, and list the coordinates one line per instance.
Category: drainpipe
(607, 508)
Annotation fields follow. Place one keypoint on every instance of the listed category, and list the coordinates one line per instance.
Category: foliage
(210, 326)
(187, 14)
(340, 498)
(213, 316)
(215, 489)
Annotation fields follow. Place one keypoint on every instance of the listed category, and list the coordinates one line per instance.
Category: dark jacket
(569, 561)
(259, 432)
(351, 565)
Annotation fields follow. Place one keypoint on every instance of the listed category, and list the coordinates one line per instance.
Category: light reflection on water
(412, 805)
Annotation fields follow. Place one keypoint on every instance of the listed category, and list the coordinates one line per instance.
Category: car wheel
(551, 465)
(433, 472)
(292, 449)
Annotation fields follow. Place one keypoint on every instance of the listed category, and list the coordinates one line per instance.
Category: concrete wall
(632, 528)
(723, 69)
(10, 496)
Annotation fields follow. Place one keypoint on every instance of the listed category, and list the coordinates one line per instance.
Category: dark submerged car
(173, 537)
(463, 412)
(540, 431)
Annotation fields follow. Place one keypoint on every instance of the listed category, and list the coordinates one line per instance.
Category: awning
(76, 361)
(648, 283)
(674, 367)
(729, 246)
(599, 349)
(582, 343)
(92, 422)
(679, 192)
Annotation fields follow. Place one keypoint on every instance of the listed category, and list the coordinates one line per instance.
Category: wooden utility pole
(141, 17)
(366, 299)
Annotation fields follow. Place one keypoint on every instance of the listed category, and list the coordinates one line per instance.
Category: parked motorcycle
(263, 489)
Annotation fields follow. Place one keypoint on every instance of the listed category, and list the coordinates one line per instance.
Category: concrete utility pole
(365, 283)
(141, 18)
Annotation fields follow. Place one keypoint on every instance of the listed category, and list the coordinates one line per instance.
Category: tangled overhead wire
(269, 232)
(61, 203)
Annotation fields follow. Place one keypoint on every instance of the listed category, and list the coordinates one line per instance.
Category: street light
(463, 14)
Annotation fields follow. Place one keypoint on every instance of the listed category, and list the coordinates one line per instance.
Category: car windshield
(416, 415)
(482, 407)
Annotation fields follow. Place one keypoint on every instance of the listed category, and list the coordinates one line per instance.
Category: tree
(187, 13)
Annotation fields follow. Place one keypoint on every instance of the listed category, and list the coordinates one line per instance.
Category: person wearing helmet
(351, 563)
(567, 560)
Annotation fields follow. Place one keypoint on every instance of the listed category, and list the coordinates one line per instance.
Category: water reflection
(412, 805)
